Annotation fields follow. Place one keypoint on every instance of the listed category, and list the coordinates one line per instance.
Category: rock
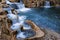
(14, 0)
(39, 32)
(1, 9)
(3, 13)
(39, 3)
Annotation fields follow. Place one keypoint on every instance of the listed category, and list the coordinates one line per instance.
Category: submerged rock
(29, 33)
(14, 6)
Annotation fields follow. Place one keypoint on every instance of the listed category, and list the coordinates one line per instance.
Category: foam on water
(16, 26)
(7, 2)
(20, 35)
(22, 7)
(47, 4)
(26, 34)
(25, 9)
(11, 16)
(14, 18)
(26, 26)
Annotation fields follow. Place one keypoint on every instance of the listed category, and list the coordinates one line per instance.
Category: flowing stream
(45, 18)
(19, 7)
(47, 4)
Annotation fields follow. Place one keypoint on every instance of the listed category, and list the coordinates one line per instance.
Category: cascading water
(8, 8)
(16, 25)
(22, 7)
(47, 4)
(19, 6)
(7, 2)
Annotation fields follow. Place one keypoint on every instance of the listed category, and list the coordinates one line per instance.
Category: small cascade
(8, 8)
(22, 7)
(19, 6)
(47, 4)
(7, 2)
(17, 21)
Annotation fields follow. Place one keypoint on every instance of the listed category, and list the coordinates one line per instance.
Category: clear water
(45, 18)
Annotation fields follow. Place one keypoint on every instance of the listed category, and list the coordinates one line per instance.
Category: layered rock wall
(40, 3)
(14, 0)
(2, 0)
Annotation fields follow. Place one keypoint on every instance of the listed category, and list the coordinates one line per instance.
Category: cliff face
(10, 0)
(33, 3)
(39, 3)
(36, 3)
(2, 0)
(14, 0)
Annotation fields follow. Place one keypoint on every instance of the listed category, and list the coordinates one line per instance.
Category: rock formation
(14, 0)
(39, 3)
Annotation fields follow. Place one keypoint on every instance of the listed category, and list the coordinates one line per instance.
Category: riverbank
(5, 34)
(49, 35)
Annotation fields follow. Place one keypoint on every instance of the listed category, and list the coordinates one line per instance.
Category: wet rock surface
(14, 6)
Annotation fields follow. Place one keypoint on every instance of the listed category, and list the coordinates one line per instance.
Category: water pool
(45, 18)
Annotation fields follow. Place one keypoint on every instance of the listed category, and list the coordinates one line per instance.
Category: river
(45, 18)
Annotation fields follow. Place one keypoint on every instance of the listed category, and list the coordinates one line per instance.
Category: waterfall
(47, 4)
(22, 7)
(16, 25)
(8, 8)
(7, 2)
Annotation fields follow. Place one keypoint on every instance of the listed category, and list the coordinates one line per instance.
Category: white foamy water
(17, 25)
(20, 35)
(7, 2)
(14, 18)
(47, 4)
(11, 16)
(22, 7)
(25, 9)
(27, 27)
